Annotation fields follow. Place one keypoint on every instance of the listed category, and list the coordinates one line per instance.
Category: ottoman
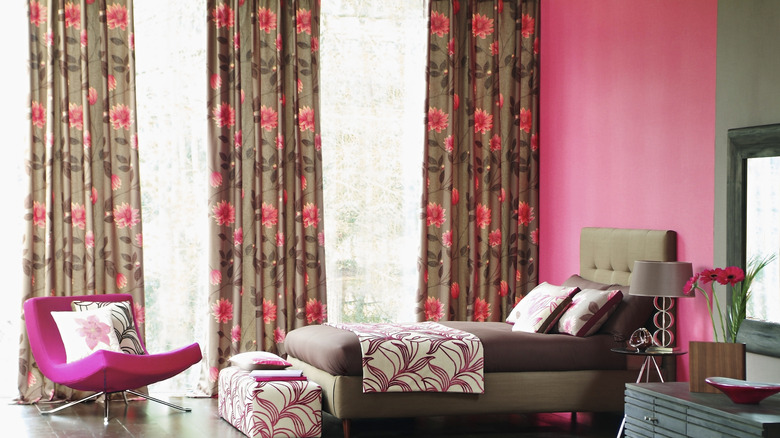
(269, 409)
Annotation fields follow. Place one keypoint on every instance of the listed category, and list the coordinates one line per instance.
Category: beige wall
(748, 94)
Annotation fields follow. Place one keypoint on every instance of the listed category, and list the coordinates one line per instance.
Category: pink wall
(628, 131)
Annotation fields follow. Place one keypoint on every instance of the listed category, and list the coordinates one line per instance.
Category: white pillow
(540, 309)
(588, 311)
(84, 333)
(123, 322)
(259, 360)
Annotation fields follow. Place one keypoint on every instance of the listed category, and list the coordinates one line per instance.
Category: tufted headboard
(607, 255)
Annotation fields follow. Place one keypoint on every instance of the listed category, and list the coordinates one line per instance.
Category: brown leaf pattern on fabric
(266, 254)
(83, 210)
(481, 195)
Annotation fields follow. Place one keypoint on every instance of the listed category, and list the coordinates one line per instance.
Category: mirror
(762, 235)
(752, 227)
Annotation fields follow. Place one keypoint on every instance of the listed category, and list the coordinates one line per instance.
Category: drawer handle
(651, 419)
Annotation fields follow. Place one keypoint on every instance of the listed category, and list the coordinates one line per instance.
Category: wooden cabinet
(671, 410)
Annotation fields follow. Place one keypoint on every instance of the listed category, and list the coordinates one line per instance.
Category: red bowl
(742, 391)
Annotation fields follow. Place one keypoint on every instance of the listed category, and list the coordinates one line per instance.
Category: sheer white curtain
(372, 83)
(171, 96)
(15, 116)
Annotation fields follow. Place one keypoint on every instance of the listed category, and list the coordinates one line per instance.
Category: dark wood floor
(151, 420)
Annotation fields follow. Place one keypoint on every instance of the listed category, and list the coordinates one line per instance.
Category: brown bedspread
(338, 351)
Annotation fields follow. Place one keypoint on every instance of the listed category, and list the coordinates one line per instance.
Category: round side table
(649, 359)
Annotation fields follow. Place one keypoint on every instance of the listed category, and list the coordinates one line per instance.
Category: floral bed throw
(421, 357)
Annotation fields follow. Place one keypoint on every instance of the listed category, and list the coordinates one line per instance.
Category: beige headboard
(607, 255)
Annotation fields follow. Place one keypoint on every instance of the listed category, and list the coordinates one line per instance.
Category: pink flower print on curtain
(84, 205)
(265, 186)
(480, 158)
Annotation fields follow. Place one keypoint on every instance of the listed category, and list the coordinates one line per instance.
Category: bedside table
(670, 409)
(649, 360)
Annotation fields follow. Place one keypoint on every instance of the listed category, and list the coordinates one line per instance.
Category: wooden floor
(148, 419)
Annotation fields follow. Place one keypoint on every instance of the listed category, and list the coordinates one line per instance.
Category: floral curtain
(267, 268)
(83, 211)
(480, 231)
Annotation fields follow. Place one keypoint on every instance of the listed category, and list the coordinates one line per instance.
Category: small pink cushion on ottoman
(270, 409)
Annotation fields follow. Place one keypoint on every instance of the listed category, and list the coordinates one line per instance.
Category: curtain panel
(480, 230)
(83, 211)
(266, 257)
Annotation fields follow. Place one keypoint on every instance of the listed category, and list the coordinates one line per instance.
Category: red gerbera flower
(708, 275)
(731, 275)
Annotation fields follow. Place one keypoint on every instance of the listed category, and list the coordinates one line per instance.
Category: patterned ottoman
(269, 409)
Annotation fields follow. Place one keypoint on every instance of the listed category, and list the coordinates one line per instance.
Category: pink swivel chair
(103, 371)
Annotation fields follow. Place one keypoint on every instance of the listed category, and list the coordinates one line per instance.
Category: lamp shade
(660, 279)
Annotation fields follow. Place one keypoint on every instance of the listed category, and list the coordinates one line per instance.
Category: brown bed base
(523, 392)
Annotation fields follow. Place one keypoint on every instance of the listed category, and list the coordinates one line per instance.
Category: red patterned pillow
(589, 309)
(540, 309)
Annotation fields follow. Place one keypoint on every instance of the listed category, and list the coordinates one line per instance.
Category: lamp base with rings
(664, 321)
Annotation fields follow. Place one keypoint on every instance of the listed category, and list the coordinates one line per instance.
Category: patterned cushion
(123, 323)
(84, 333)
(259, 360)
(589, 309)
(540, 309)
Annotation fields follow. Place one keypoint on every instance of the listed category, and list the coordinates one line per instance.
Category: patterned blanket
(419, 357)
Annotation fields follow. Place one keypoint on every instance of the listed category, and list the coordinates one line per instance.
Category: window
(170, 40)
(372, 97)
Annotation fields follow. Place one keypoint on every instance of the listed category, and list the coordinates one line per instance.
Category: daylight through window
(372, 105)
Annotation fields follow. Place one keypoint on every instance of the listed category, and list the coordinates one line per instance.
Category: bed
(578, 374)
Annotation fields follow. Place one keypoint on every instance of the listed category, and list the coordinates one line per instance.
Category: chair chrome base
(107, 401)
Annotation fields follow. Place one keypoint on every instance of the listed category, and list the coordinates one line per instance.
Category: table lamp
(665, 282)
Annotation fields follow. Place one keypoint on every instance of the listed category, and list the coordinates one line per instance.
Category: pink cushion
(540, 309)
(259, 360)
(589, 309)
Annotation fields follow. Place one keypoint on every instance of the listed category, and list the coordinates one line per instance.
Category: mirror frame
(760, 337)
